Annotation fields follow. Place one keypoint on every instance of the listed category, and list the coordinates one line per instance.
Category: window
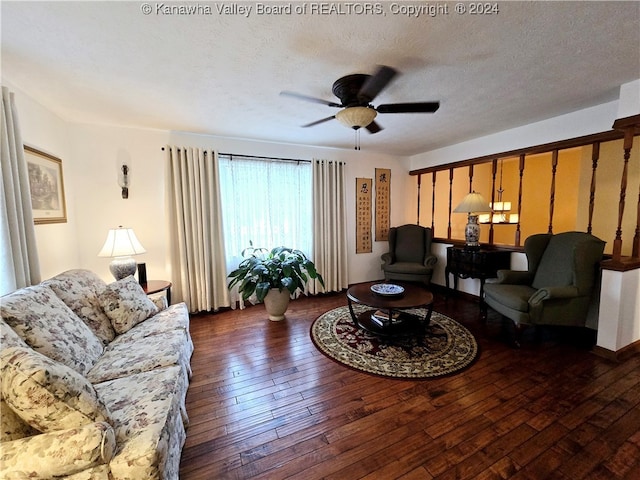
(266, 201)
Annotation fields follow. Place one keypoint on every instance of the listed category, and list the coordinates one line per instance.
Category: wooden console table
(478, 263)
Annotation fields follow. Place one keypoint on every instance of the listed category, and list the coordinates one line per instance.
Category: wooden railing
(623, 130)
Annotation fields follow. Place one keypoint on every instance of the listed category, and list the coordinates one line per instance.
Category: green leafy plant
(262, 270)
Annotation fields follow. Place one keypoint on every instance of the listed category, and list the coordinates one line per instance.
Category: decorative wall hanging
(46, 186)
(383, 203)
(363, 215)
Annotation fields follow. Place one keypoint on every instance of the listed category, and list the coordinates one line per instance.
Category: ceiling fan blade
(310, 99)
(417, 107)
(318, 121)
(374, 127)
(374, 84)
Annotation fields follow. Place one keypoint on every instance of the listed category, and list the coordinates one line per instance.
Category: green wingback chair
(556, 289)
(409, 257)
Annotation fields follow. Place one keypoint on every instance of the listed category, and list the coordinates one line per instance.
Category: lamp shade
(473, 203)
(356, 117)
(121, 242)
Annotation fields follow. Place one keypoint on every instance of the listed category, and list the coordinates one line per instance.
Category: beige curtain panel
(329, 225)
(20, 265)
(195, 228)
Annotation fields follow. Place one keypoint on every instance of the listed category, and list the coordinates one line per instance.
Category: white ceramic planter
(276, 302)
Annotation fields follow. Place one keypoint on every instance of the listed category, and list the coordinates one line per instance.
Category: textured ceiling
(221, 73)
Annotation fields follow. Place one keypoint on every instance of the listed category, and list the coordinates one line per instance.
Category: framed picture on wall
(46, 185)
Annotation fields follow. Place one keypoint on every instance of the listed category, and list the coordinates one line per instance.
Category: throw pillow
(48, 326)
(46, 394)
(9, 338)
(79, 290)
(126, 304)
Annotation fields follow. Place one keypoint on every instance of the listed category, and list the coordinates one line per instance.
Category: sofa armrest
(160, 301)
(59, 453)
(514, 277)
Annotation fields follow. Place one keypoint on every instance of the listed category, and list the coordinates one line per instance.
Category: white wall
(619, 322)
(629, 103)
(576, 124)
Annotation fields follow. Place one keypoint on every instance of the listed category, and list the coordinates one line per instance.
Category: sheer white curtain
(195, 229)
(20, 265)
(329, 225)
(267, 202)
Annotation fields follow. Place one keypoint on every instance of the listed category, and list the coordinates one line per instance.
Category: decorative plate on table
(387, 289)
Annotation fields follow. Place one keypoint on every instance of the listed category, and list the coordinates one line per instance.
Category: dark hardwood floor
(265, 404)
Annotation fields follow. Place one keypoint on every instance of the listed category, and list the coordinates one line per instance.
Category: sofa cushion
(79, 290)
(12, 427)
(146, 411)
(131, 354)
(48, 326)
(126, 304)
(46, 394)
(176, 317)
(515, 297)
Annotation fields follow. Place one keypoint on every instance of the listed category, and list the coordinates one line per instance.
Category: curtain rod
(280, 159)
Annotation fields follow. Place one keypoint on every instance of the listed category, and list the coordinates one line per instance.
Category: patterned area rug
(447, 347)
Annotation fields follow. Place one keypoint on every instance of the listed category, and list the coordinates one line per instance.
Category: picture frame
(46, 184)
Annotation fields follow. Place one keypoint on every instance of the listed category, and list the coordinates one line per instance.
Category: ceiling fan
(356, 92)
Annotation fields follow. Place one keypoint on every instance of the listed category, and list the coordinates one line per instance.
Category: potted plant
(273, 276)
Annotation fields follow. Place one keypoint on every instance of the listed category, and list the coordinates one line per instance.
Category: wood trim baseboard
(618, 355)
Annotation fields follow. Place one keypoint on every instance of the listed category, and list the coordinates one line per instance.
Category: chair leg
(515, 332)
(517, 338)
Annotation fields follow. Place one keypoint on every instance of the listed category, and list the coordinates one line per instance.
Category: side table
(157, 286)
(478, 263)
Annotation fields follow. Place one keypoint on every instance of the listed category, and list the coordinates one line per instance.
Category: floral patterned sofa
(93, 381)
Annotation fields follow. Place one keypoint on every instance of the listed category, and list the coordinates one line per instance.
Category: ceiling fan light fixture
(356, 117)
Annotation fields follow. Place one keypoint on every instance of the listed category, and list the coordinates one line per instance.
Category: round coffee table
(388, 315)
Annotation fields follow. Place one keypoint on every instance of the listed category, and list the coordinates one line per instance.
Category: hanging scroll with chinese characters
(363, 215)
(383, 203)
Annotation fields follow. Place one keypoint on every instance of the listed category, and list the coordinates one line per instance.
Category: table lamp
(121, 244)
(472, 204)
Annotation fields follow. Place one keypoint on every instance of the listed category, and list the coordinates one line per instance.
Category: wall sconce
(124, 180)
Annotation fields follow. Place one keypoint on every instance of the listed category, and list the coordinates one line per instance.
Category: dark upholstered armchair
(557, 287)
(409, 257)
